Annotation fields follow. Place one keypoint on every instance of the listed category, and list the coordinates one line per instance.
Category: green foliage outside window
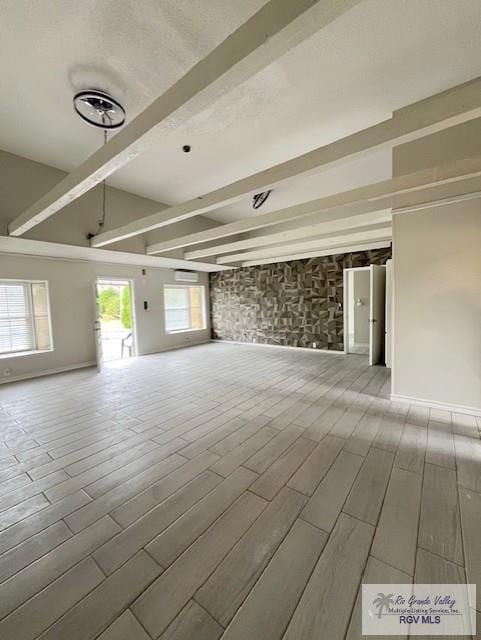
(109, 301)
(126, 316)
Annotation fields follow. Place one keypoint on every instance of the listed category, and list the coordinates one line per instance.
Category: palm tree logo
(383, 602)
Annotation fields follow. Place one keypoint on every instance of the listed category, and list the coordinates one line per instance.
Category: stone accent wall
(295, 303)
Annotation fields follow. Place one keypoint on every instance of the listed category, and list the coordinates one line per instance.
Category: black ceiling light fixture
(99, 109)
(259, 199)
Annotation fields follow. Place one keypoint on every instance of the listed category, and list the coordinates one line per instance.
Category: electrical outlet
(314, 345)
(7, 372)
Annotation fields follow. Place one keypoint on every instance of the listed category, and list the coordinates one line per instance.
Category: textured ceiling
(380, 56)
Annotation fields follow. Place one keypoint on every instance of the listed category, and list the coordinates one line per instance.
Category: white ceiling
(380, 56)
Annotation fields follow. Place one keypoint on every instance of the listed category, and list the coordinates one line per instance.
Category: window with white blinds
(24, 316)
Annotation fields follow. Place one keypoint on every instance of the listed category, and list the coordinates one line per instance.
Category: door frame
(119, 279)
(346, 302)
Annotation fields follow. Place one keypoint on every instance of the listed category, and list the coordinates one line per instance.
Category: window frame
(203, 307)
(30, 282)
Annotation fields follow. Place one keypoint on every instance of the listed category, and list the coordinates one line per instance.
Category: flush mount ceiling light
(99, 109)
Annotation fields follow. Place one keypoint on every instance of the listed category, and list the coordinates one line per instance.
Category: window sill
(174, 331)
(20, 354)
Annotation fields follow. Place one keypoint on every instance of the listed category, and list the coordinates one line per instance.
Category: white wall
(437, 283)
(437, 305)
(72, 310)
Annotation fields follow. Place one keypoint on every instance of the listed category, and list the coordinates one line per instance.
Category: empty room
(240, 319)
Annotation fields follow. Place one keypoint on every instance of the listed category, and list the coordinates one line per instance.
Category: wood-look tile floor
(225, 491)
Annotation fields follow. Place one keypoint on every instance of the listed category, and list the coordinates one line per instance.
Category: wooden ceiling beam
(377, 232)
(307, 231)
(346, 248)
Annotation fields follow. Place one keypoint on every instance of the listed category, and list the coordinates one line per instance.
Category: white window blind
(24, 316)
(184, 308)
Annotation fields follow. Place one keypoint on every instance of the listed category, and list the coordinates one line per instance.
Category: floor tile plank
(326, 503)
(126, 627)
(147, 499)
(412, 448)
(276, 476)
(228, 463)
(261, 460)
(37, 522)
(104, 604)
(376, 572)
(309, 475)
(192, 622)
(367, 493)
(263, 616)
(33, 548)
(335, 579)
(396, 533)
(177, 585)
(37, 575)
(166, 547)
(125, 544)
(230, 583)
(440, 524)
(471, 521)
(37, 614)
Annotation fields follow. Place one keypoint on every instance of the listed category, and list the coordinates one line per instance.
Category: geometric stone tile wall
(294, 303)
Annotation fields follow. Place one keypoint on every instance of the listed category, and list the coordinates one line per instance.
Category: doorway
(115, 325)
(364, 312)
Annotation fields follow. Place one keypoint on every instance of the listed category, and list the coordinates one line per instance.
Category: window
(184, 308)
(24, 317)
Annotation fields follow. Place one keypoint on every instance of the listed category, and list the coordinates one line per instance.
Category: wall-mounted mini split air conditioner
(182, 275)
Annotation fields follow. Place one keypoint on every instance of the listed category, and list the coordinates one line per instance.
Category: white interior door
(97, 329)
(377, 314)
(388, 329)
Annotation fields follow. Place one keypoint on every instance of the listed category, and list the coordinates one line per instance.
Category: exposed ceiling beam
(380, 232)
(57, 250)
(373, 197)
(276, 28)
(347, 248)
(308, 231)
(415, 121)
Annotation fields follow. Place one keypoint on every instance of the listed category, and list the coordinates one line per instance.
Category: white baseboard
(455, 408)
(174, 347)
(47, 372)
(281, 346)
